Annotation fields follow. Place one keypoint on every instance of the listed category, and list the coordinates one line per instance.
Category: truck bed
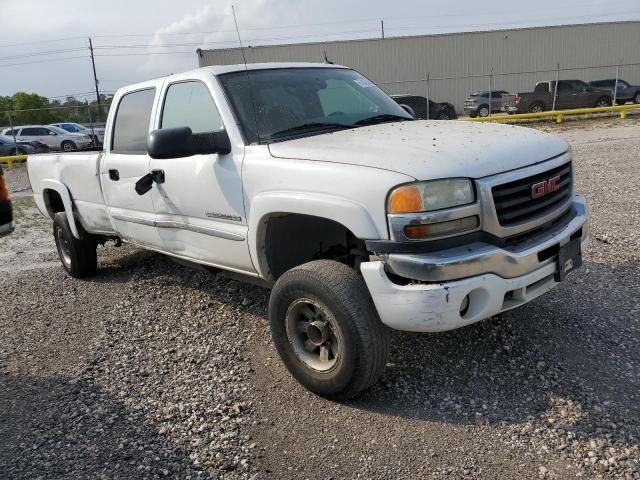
(79, 174)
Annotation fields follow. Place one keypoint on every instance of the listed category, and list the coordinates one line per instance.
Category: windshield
(289, 102)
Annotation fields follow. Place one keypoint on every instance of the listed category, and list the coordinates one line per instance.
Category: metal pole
(428, 96)
(490, 91)
(13, 132)
(382, 27)
(615, 87)
(95, 78)
(93, 133)
(555, 88)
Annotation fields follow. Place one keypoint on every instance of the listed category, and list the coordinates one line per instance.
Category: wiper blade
(385, 117)
(309, 126)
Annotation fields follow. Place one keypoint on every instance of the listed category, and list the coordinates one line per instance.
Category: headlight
(431, 195)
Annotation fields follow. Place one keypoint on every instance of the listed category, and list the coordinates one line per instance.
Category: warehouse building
(448, 67)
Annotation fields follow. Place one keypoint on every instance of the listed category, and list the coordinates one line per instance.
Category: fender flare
(351, 215)
(61, 189)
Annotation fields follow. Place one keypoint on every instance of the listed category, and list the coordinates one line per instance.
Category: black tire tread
(83, 256)
(351, 292)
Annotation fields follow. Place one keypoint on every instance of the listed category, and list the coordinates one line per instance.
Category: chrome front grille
(514, 203)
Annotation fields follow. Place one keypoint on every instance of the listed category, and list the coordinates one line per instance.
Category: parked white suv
(308, 179)
(55, 138)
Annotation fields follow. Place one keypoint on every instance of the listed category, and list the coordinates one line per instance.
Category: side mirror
(409, 110)
(181, 142)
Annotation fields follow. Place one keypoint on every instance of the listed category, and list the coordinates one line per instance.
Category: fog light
(464, 306)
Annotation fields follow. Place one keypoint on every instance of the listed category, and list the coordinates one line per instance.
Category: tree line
(30, 108)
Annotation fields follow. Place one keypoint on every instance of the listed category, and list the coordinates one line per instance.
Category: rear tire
(78, 256)
(68, 146)
(603, 102)
(636, 99)
(326, 329)
(536, 107)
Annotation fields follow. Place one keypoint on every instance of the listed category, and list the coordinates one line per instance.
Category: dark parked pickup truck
(626, 91)
(571, 94)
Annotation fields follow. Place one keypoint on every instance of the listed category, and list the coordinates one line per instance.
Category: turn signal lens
(406, 199)
(4, 191)
(416, 232)
(441, 229)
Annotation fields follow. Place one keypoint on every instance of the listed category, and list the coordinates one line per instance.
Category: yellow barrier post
(9, 161)
(559, 116)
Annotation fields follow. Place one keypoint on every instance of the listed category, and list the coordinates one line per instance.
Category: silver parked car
(97, 133)
(477, 104)
(55, 138)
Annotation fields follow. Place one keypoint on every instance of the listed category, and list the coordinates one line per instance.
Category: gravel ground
(151, 370)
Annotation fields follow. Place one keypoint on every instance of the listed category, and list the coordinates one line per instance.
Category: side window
(189, 104)
(30, 132)
(131, 125)
(45, 131)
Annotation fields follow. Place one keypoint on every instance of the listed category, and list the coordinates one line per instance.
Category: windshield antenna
(246, 71)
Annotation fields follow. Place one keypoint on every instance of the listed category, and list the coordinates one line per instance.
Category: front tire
(326, 329)
(603, 102)
(636, 99)
(78, 256)
(483, 111)
(68, 146)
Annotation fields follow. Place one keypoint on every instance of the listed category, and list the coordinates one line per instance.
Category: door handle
(114, 174)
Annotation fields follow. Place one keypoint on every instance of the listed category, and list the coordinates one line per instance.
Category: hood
(429, 149)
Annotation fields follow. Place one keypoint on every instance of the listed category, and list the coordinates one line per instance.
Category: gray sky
(176, 29)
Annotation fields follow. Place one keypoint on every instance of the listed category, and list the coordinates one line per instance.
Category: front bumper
(495, 279)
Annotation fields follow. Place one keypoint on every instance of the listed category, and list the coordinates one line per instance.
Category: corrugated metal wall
(460, 63)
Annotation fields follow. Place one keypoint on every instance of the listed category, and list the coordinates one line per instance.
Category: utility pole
(95, 78)
(382, 27)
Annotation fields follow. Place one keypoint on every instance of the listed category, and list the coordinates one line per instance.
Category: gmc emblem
(545, 187)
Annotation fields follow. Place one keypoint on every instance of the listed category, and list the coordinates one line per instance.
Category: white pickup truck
(311, 180)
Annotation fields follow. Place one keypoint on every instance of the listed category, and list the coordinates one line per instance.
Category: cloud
(213, 27)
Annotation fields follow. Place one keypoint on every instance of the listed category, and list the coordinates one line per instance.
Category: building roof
(421, 35)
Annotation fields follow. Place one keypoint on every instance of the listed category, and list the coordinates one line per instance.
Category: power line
(43, 61)
(41, 41)
(48, 52)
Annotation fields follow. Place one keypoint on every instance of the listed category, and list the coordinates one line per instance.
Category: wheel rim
(536, 109)
(67, 147)
(63, 248)
(313, 335)
(484, 112)
(603, 103)
(637, 100)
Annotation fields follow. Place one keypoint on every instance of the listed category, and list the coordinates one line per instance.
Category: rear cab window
(131, 122)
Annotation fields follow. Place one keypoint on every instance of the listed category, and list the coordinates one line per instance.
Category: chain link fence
(456, 88)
